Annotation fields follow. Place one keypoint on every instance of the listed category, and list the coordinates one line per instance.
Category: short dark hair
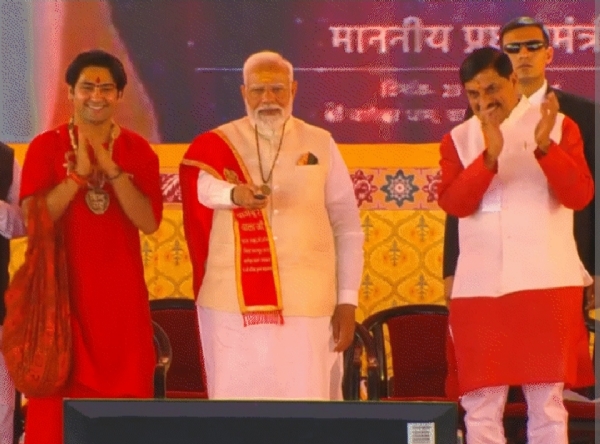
(524, 22)
(98, 58)
(482, 59)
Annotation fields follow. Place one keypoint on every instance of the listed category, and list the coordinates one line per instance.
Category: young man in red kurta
(514, 173)
(102, 187)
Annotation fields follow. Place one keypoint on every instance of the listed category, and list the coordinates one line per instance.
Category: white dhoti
(292, 361)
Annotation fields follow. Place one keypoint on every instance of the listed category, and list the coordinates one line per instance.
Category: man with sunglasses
(526, 42)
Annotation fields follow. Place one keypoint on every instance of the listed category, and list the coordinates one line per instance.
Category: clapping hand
(549, 110)
(83, 166)
(103, 156)
(492, 135)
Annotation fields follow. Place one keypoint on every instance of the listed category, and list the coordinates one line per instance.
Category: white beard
(269, 124)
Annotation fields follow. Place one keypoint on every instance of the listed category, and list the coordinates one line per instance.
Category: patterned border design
(374, 188)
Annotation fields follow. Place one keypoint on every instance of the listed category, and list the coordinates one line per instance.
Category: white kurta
(295, 360)
(518, 209)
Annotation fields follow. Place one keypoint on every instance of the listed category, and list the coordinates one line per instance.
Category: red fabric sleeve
(461, 189)
(566, 169)
(142, 163)
(38, 173)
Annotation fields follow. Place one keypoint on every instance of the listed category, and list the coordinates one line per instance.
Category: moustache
(489, 106)
(269, 108)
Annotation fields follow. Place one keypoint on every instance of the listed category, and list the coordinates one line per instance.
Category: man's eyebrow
(100, 84)
(252, 85)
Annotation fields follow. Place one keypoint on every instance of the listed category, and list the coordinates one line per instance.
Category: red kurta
(530, 336)
(569, 177)
(110, 315)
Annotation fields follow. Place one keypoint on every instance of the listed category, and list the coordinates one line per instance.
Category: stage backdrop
(381, 76)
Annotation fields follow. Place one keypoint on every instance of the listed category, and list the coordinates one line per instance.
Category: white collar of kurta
(518, 111)
(538, 97)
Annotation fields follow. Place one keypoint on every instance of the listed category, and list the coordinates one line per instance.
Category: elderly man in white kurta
(276, 243)
(514, 173)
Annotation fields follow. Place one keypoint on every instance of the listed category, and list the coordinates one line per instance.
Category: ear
(243, 92)
(294, 88)
(549, 55)
(70, 93)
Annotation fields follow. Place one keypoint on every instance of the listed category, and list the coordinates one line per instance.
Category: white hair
(266, 58)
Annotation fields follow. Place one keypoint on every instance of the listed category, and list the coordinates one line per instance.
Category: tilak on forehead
(97, 79)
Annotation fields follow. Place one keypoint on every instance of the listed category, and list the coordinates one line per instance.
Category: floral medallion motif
(363, 186)
(400, 188)
(431, 188)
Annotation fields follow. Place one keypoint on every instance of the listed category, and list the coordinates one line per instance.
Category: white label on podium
(421, 433)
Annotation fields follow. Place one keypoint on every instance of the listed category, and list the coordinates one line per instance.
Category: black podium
(89, 421)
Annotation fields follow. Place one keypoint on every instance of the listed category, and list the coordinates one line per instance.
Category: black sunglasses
(531, 45)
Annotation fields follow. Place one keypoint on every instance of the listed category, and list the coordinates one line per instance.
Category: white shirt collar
(538, 97)
(517, 112)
